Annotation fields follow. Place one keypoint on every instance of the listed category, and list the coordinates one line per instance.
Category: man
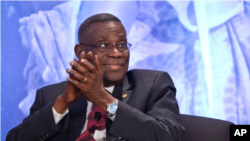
(140, 105)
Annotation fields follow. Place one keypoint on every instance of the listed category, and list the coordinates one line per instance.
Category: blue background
(204, 46)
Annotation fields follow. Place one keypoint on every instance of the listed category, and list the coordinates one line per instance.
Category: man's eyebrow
(102, 37)
(122, 35)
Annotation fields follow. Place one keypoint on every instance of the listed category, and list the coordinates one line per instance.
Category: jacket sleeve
(160, 121)
(39, 125)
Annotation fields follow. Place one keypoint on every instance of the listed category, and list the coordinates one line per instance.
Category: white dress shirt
(99, 135)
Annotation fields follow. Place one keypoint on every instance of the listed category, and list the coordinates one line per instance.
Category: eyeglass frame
(109, 44)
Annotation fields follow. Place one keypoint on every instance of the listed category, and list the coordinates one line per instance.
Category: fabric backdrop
(203, 45)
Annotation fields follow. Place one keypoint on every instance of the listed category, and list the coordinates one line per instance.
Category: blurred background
(203, 45)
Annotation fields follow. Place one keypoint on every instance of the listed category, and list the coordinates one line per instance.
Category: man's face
(113, 62)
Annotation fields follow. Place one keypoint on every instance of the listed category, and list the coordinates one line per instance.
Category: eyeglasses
(103, 47)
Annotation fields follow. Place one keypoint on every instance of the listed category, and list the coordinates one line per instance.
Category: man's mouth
(114, 67)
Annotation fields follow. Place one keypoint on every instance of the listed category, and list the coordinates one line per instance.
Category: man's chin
(110, 81)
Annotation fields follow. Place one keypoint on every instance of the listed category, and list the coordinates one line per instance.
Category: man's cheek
(103, 68)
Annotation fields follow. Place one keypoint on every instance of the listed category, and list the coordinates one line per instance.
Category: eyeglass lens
(120, 47)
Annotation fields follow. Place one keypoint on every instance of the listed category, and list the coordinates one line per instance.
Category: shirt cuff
(58, 117)
(112, 118)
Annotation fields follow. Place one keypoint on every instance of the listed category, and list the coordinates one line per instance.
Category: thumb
(70, 86)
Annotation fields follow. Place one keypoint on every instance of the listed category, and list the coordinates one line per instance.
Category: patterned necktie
(93, 124)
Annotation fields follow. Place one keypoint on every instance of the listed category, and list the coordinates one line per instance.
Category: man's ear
(78, 49)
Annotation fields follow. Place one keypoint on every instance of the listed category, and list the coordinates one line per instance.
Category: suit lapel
(77, 116)
(126, 90)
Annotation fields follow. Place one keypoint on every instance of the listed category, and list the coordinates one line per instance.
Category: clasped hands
(85, 79)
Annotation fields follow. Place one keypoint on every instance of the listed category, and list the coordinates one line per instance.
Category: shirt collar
(110, 89)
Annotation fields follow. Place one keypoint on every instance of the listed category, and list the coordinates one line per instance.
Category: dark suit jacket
(149, 112)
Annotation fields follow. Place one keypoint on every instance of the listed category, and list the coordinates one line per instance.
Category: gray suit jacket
(149, 112)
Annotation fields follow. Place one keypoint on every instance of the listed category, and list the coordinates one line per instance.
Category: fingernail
(73, 64)
(68, 78)
(70, 71)
(83, 60)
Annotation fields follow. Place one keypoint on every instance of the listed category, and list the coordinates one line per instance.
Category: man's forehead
(99, 26)
(101, 29)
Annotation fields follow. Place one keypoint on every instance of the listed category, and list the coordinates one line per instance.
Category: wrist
(112, 108)
(61, 105)
(65, 99)
(105, 99)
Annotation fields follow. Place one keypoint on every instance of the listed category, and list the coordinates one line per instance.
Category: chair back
(205, 129)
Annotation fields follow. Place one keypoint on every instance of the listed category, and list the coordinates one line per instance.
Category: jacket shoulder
(142, 76)
(145, 73)
(51, 92)
(57, 86)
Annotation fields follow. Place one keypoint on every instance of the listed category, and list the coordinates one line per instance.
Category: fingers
(86, 64)
(80, 68)
(75, 82)
(84, 61)
(76, 76)
(80, 72)
(97, 63)
(82, 55)
(83, 66)
(89, 56)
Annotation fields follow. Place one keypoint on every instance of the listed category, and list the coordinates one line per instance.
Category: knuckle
(73, 72)
(83, 71)
(84, 61)
(78, 82)
(75, 64)
(92, 68)
(82, 78)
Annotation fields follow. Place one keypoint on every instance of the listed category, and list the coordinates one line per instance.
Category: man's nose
(114, 52)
